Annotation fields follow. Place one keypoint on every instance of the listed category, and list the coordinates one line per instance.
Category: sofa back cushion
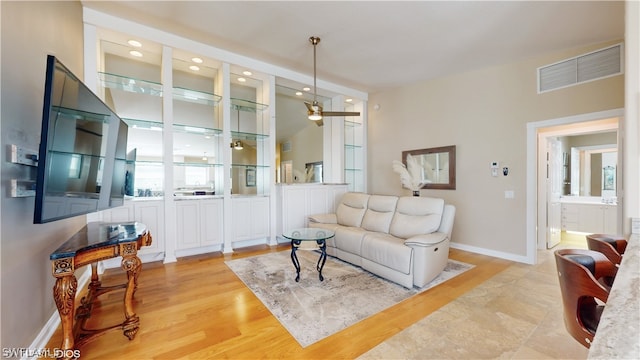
(416, 215)
(379, 213)
(351, 209)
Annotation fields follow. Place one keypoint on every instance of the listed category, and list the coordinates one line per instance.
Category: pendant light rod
(314, 40)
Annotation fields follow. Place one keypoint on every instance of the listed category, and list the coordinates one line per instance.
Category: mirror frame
(451, 150)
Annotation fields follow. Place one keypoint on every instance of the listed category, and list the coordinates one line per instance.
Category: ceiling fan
(315, 111)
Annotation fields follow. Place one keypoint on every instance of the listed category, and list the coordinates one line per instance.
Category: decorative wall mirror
(438, 165)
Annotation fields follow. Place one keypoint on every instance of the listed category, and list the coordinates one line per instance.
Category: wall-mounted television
(82, 161)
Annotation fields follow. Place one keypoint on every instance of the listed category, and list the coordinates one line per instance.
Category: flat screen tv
(82, 161)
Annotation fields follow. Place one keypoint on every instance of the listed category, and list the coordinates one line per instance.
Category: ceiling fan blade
(340, 113)
(308, 104)
(311, 106)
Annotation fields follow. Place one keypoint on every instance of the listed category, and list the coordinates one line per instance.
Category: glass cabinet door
(250, 153)
(197, 129)
(130, 85)
(354, 151)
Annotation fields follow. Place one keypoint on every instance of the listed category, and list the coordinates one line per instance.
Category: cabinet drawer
(569, 217)
(570, 225)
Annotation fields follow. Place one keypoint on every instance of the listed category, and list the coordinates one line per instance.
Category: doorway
(543, 215)
(286, 171)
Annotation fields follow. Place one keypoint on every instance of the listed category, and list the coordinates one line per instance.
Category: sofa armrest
(426, 239)
(323, 218)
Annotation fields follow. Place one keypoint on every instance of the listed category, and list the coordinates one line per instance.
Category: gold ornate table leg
(64, 294)
(132, 265)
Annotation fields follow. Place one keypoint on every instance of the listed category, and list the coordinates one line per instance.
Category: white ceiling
(376, 45)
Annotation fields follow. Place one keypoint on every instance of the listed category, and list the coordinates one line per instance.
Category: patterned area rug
(312, 310)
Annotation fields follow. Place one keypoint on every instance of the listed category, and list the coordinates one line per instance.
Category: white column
(166, 77)
(229, 231)
(631, 127)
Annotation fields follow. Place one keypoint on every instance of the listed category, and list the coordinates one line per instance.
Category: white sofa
(402, 239)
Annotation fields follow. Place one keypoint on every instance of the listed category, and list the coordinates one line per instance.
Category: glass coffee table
(297, 236)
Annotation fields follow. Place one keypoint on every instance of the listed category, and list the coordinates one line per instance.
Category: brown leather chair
(612, 246)
(578, 274)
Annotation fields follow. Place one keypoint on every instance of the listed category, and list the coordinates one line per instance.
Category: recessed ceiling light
(194, 68)
(299, 93)
(247, 73)
(306, 88)
(241, 79)
(135, 53)
(197, 60)
(349, 100)
(134, 43)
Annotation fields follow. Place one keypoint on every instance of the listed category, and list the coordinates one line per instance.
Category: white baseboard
(247, 243)
(117, 262)
(198, 250)
(43, 337)
(493, 253)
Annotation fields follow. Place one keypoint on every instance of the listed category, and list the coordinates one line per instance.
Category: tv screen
(82, 157)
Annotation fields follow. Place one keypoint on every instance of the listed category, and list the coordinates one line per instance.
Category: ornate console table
(95, 242)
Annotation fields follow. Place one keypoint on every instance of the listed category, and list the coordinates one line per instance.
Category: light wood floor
(197, 308)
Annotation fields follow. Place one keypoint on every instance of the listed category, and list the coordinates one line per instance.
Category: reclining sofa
(402, 239)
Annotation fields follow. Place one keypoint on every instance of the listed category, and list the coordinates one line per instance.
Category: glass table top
(308, 234)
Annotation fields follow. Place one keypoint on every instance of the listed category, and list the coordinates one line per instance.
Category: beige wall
(30, 31)
(484, 113)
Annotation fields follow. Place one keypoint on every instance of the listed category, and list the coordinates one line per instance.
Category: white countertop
(618, 334)
(596, 200)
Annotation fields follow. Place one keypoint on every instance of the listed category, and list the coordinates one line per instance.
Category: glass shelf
(352, 147)
(247, 105)
(197, 164)
(248, 136)
(67, 154)
(76, 114)
(148, 162)
(130, 84)
(197, 130)
(144, 124)
(251, 166)
(197, 97)
(348, 123)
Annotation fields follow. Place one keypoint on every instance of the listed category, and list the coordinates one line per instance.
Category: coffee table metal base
(323, 257)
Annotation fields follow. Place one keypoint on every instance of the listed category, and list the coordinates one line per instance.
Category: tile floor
(517, 314)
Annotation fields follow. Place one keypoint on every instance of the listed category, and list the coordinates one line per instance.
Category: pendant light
(237, 145)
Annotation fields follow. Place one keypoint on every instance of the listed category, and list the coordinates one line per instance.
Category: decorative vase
(416, 192)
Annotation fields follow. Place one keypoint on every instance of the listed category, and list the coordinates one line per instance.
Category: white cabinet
(198, 225)
(590, 218)
(250, 217)
(610, 217)
(598, 218)
(148, 212)
(297, 201)
(570, 217)
(151, 213)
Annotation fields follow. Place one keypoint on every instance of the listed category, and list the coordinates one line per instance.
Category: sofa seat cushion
(351, 209)
(416, 216)
(349, 239)
(379, 214)
(389, 251)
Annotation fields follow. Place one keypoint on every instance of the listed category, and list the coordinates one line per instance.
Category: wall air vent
(286, 146)
(595, 65)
